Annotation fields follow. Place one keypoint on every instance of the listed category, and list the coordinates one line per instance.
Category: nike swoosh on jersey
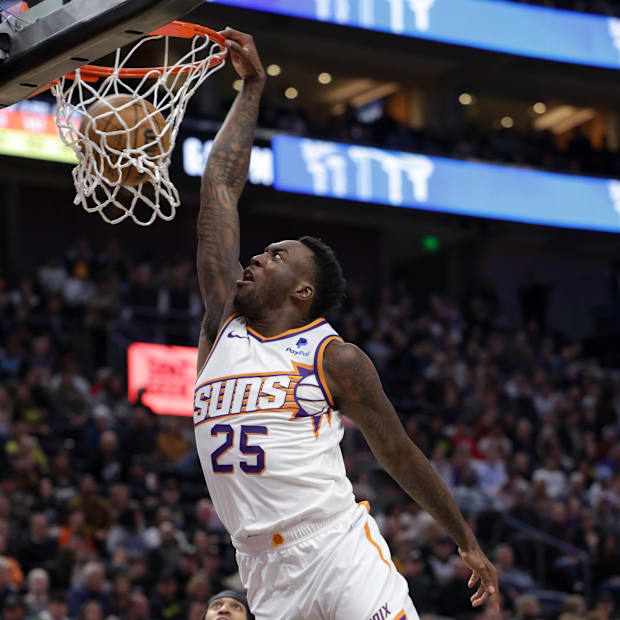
(242, 336)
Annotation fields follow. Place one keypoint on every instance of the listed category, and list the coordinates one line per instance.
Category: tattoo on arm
(358, 394)
(218, 221)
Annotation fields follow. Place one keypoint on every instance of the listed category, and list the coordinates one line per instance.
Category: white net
(115, 176)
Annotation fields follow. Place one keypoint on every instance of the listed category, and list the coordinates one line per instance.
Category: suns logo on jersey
(297, 393)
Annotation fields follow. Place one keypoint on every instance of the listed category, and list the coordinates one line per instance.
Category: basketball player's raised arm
(358, 394)
(222, 183)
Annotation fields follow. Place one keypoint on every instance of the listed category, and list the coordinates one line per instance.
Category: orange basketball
(137, 128)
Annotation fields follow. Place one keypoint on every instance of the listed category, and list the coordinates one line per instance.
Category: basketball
(128, 124)
(310, 397)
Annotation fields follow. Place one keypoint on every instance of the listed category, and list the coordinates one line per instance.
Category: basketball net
(169, 89)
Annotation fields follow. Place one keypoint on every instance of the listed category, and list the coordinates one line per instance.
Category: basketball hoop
(167, 89)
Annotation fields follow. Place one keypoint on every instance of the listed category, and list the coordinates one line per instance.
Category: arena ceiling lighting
(562, 118)
(501, 25)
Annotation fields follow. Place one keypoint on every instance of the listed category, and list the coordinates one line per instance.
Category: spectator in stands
(166, 602)
(75, 529)
(513, 581)
(527, 607)
(139, 608)
(469, 497)
(92, 588)
(37, 596)
(109, 463)
(171, 499)
(40, 548)
(6, 586)
(91, 610)
(442, 555)
(196, 611)
(128, 531)
(171, 445)
(205, 516)
(453, 597)
(553, 476)
(491, 471)
(13, 608)
(120, 593)
(101, 311)
(56, 609)
(78, 289)
(168, 552)
(52, 276)
(95, 508)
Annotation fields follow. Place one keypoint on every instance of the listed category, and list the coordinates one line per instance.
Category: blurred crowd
(103, 508)
(537, 149)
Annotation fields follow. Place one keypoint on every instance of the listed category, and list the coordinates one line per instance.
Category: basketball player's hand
(483, 572)
(243, 54)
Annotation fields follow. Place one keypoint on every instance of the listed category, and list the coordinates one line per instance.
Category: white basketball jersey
(266, 430)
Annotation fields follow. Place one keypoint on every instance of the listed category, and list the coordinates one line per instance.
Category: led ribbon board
(414, 181)
(538, 32)
(27, 129)
(167, 373)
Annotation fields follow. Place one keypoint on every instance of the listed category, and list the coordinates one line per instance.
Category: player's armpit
(358, 394)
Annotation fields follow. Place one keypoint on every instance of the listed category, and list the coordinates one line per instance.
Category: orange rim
(183, 30)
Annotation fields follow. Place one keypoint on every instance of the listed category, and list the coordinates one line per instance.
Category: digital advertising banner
(367, 174)
(497, 25)
(166, 374)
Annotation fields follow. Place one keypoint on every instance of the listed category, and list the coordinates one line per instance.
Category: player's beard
(259, 301)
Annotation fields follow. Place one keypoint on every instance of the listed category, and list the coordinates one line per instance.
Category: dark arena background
(461, 157)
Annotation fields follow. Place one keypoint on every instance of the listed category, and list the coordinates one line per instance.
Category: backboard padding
(77, 33)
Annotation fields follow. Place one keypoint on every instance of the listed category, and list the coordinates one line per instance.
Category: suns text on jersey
(246, 394)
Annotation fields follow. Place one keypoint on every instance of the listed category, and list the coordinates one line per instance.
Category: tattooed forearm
(222, 184)
(358, 393)
(229, 159)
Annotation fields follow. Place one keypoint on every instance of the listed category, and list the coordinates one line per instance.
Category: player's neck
(274, 325)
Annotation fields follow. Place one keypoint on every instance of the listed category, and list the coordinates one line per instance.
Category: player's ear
(304, 291)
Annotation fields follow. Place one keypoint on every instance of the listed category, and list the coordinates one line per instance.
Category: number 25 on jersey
(253, 468)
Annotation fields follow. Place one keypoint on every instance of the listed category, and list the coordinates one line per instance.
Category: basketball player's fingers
(241, 51)
(480, 596)
(488, 582)
(230, 34)
(244, 40)
(475, 577)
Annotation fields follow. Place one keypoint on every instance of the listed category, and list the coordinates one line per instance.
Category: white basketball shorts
(337, 569)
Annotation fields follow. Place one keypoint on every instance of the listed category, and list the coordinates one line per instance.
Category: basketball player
(274, 380)
(227, 605)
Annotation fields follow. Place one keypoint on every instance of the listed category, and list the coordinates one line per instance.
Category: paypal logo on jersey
(302, 342)
(297, 353)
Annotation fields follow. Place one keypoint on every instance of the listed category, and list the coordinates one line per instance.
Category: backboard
(42, 40)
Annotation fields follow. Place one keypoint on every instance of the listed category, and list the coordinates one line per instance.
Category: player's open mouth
(248, 278)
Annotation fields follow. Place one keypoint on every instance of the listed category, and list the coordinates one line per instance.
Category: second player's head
(303, 275)
(228, 605)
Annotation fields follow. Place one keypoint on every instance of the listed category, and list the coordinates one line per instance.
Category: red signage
(166, 373)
